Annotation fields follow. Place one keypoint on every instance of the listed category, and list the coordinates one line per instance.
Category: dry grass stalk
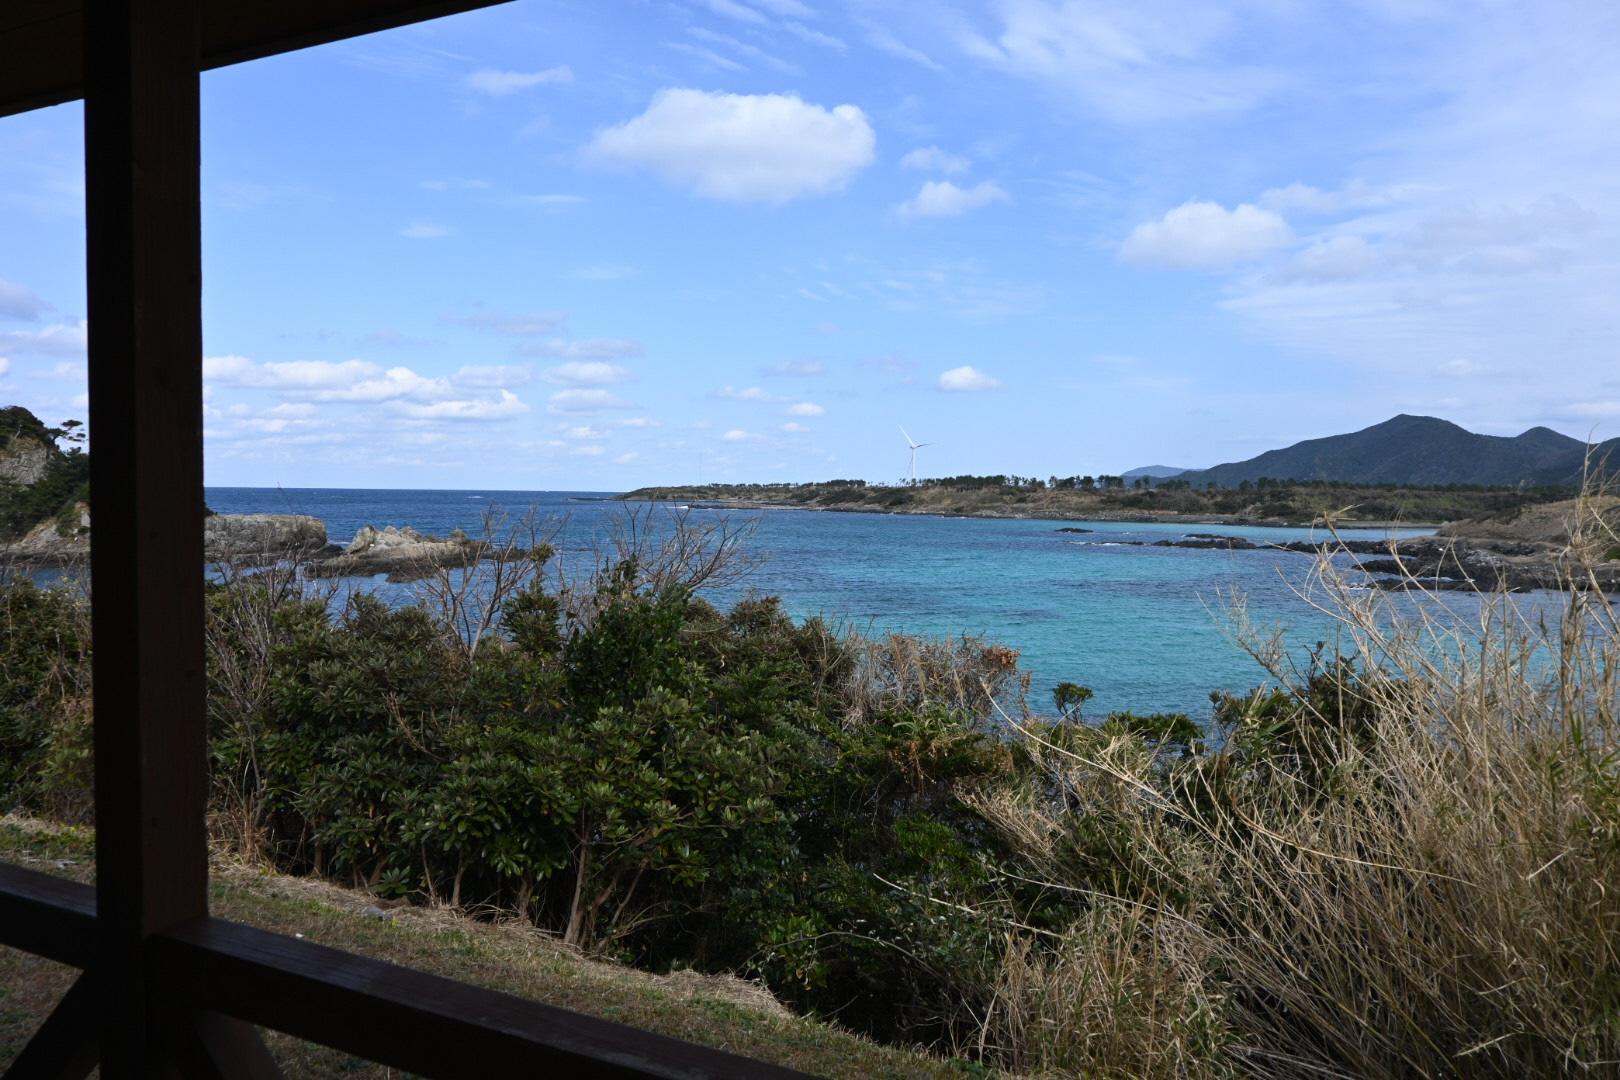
(1442, 899)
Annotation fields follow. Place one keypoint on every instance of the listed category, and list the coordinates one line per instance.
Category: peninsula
(1268, 502)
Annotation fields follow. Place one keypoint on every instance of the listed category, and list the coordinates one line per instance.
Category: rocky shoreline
(1123, 518)
(1438, 563)
(253, 540)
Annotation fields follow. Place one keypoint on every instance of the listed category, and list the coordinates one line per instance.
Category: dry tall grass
(1426, 883)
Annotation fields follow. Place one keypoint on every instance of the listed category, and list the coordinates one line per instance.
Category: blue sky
(582, 246)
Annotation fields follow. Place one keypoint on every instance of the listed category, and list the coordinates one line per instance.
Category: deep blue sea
(1147, 628)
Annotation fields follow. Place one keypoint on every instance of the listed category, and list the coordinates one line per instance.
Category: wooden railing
(218, 970)
(167, 989)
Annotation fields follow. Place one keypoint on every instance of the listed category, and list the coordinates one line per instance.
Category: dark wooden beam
(47, 916)
(41, 64)
(64, 1047)
(225, 1048)
(144, 276)
(425, 1024)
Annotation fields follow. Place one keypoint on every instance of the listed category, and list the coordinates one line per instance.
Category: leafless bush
(656, 550)
(466, 596)
(241, 635)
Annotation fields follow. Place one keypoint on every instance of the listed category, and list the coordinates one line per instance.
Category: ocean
(1147, 628)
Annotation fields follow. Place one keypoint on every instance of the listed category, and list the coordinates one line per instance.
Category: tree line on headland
(1407, 469)
(1267, 501)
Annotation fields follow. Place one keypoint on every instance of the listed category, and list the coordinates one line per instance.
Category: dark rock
(1073, 529)
(1208, 540)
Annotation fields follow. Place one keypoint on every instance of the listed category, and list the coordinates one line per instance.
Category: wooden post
(144, 265)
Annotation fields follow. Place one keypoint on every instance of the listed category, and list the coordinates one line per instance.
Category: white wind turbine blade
(909, 440)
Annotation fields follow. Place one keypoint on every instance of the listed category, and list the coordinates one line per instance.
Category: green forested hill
(1416, 450)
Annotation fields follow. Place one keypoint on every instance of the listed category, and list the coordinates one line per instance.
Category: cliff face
(39, 483)
(65, 538)
(55, 541)
(24, 461)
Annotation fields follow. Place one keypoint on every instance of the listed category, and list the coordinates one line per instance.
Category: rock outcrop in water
(400, 552)
(264, 536)
(238, 538)
(1445, 562)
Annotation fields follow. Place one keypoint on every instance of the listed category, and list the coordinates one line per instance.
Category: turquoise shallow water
(1145, 627)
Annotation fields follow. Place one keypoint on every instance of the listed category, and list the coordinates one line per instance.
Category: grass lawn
(720, 1011)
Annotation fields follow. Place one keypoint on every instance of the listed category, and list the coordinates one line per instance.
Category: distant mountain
(1419, 450)
(1157, 472)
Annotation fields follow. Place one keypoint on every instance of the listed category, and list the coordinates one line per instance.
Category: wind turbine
(915, 446)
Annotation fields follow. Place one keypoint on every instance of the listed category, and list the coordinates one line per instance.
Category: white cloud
(57, 339)
(505, 407)
(396, 382)
(457, 183)
(738, 435)
(967, 378)
(708, 56)
(325, 380)
(798, 369)
(743, 48)
(17, 302)
(5, 367)
(1355, 195)
(548, 199)
(526, 324)
(586, 373)
(1198, 234)
(787, 9)
(583, 401)
(794, 427)
(1130, 63)
(639, 422)
(626, 458)
(747, 393)
(742, 147)
(1331, 258)
(880, 38)
(814, 37)
(933, 159)
(493, 375)
(62, 369)
(584, 431)
(941, 198)
(733, 10)
(287, 375)
(425, 230)
(587, 451)
(501, 83)
(583, 348)
(806, 408)
(296, 410)
(605, 272)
